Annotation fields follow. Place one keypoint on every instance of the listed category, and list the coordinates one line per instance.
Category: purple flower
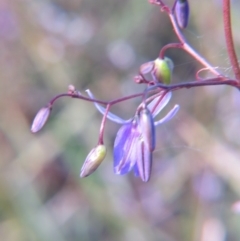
(135, 140)
(132, 150)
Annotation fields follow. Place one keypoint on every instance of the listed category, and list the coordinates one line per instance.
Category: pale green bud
(163, 70)
(93, 160)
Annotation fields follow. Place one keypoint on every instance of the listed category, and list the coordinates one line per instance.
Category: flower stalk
(136, 139)
(229, 38)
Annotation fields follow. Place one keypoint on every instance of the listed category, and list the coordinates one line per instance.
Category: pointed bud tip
(40, 119)
(93, 160)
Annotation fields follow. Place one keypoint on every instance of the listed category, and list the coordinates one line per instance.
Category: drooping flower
(135, 140)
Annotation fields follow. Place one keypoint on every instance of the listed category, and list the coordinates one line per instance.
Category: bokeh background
(99, 44)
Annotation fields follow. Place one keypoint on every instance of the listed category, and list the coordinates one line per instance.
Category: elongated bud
(93, 160)
(182, 13)
(147, 129)
(40, 119)
(163, 70)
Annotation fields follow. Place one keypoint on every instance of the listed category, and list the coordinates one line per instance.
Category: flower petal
(129, 158)
(147, 129)
(161, 105)
(144, 161)
(110, 115)
(169, 116)
(124, 146)
(135, 169)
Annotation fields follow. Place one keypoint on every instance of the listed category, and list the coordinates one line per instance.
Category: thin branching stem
(209, 82)
(183, 42)
(81, 97)
(188, 48)
(100, 142)
(229, 38)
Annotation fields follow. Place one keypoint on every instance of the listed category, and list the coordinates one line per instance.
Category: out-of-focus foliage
(100, 44)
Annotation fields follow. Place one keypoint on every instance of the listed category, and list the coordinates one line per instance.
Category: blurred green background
(99, 44)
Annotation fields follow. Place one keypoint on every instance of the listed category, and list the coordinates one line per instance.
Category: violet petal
(135, 169)
(110, 115)
(144, 161)
(161, 105)
(146, 124)
(169, 116)
(123, 153)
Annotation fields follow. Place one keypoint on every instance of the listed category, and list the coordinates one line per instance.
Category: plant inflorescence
(135, 141)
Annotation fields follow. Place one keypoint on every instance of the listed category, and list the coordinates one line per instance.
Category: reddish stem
(229, 39)
(76, 96)
(159, 101)
(212, 81)
(100, 141)
(188, 48)
(169, 46)
(182, 39)
(209, 82)
(81, 97)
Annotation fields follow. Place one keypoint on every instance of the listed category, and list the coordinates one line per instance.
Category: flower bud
(182, 13)
(163, 70)
(40, 119)
(93, 160)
